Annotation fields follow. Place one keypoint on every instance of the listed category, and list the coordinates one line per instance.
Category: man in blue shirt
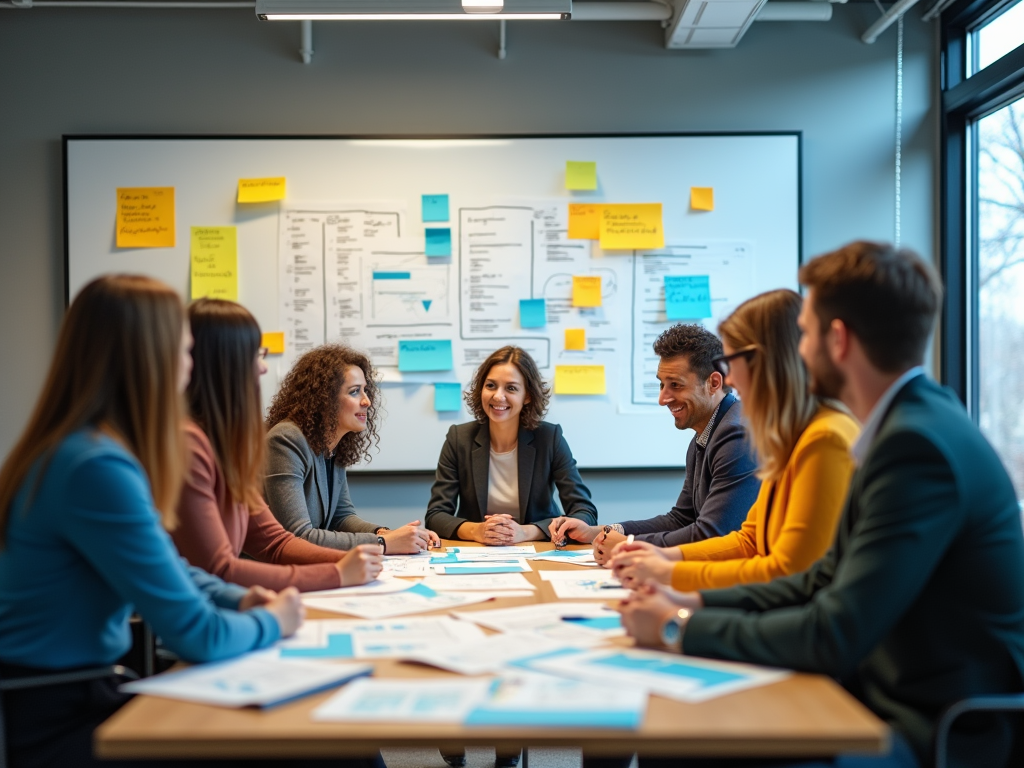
(720, 485)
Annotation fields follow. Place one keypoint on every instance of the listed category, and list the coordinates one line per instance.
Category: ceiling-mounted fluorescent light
(385, 10)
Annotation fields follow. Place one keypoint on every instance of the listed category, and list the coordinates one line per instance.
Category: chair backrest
(1009, 703)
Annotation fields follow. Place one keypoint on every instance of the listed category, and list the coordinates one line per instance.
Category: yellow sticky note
(586, 291)
(261, 190)
(584, 221)
(579, 380)
(575, 338)
(580, 175)
(274, 342)
(215, 263)
(631, 225)
(145, 217)
(702, 198)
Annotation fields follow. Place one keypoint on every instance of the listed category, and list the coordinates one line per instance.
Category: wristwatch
(383, 545)
(672, 630)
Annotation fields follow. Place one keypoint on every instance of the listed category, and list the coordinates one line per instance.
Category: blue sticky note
(533, 313)
(595, 622)
(439, 241)
(447, 397)
(435, 207)
(422, 590)
(338, 647)
(426, 355)
(687, 297)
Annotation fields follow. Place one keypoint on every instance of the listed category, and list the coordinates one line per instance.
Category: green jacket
(919, 602)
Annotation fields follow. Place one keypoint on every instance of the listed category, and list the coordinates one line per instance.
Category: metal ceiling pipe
(808, 10)
(887, 19)
(623, 11)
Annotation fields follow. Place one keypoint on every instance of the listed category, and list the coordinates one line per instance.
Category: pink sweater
(212, 532)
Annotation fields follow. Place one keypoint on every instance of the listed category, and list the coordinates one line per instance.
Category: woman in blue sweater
(85, 496)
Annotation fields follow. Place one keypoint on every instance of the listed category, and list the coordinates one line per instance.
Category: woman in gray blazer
(323, 419)
(496, 475)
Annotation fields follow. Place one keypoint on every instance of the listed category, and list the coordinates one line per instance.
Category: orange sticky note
(631, 225)
(586, 291)
(702, 198)
(579, 380)
(584, 221)
(274, 342)
(576, 338)
(145, 217)
(261, 190)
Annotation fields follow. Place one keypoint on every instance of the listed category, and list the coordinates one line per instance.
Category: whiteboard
(749, 243)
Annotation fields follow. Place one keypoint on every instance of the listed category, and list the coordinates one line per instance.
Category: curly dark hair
(308, 397)
(536, 388)
(694, 341)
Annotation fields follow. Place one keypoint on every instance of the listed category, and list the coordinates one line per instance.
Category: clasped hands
(499, 530)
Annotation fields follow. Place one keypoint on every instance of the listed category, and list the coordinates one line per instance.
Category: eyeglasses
(721, 363)
(262, 353)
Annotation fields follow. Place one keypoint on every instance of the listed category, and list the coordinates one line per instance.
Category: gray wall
(98, 71)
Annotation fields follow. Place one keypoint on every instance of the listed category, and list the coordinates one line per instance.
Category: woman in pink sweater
(221, 513)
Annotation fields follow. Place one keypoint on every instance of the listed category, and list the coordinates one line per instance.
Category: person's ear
(715, 382)
(838, 341)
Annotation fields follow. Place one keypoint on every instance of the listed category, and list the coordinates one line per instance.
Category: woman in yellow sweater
(804, 462)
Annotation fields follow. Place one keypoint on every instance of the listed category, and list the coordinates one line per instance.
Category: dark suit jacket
(719, 489)
(920, 601)
(459, 494)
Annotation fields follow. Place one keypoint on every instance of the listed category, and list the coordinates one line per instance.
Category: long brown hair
(308, 397)
(539, 392)
(224, 394)
(779, 405)
(116, 366)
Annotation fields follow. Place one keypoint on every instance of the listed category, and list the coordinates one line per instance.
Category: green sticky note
(447, 397)
(580, 175)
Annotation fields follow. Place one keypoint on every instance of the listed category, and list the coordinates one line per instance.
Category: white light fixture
(393, 10)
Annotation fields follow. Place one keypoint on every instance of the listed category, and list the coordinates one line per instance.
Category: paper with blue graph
(684, 678)
(416, 701)
(595, 584)
(420, 598)
(392, 638)
(583, 624)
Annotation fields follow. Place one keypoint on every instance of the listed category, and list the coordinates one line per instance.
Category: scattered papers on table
(579, 380)
(417, 701)
(491, 582)
(574, 556)
(214, 263)
(435, 207)
(572, 585)
(520, 549)
(261, 190)
(533, 313)
(579, 623)
(419, 598)
(253, 680)
(684, 678)
(407, 565)
(336, 639)
(586, 290)
(145, 217)
(687, 297)
(386, 584)
(580, 175)
(630, 226)
(447, 396)
(477, 556)
(491, 654)
(531, 699)
(451, 564)
(426, 355)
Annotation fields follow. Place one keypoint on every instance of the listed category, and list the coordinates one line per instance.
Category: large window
(983, 218)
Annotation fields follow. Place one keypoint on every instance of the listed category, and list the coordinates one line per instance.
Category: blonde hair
(779, 404)
(116, 366)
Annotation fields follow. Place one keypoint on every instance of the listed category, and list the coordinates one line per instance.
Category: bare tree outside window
(1001, 285)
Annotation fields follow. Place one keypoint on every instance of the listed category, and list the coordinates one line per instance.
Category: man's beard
(826, 380)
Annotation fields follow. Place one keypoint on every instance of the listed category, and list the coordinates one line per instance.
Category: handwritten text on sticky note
(586, 291)
(584, 221)
(576, 339)
(214, 263)
(145, 217)
(425, 355)
(261, 190)
(580, 175)
(702, 198)
(628, 226)
(579, 380)
(687, 297)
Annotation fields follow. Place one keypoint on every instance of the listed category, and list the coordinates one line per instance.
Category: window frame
(965, 99)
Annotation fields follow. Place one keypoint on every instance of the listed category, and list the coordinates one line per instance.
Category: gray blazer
(296, 492)
(459, 494)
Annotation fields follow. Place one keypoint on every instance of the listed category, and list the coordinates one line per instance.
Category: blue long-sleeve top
(85, 548)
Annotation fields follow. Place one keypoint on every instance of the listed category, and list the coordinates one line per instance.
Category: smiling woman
(495, 475)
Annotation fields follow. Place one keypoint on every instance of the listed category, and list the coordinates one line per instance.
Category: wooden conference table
(803, 715)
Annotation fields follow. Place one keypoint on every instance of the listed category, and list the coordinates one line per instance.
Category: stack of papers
(416, 598)
(336, 639)
(684, 678)
(574, 585)
(253, 680)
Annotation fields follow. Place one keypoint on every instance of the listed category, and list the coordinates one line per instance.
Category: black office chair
(1008, 702)
(57, 678)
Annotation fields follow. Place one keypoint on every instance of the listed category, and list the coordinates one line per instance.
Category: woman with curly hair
(323, 419)
(496, 475)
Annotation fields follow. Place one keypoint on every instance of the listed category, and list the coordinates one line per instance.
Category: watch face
(670, 633)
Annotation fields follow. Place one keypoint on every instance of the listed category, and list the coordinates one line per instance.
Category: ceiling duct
(400, 10)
